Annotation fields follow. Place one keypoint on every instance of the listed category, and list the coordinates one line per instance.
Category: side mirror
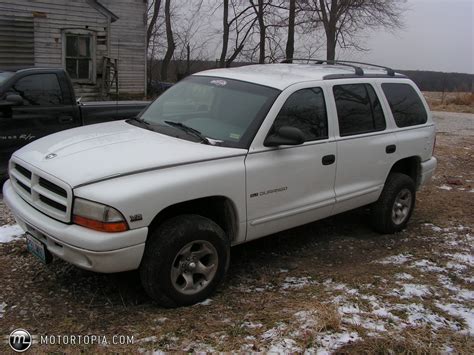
(285, 135)
(12, 100)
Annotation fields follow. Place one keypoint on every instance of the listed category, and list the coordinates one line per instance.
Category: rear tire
(392, 211)
(185, 259)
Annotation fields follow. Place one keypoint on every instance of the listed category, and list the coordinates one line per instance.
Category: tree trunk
(290, 43)
(262, 27)
(331, 45)
(225, 34)
(170, 40)
(151, 25)
(188, 60)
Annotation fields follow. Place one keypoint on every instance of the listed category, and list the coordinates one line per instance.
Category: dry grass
(452, 101)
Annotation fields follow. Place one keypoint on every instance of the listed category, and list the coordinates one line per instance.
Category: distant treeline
(439, 81)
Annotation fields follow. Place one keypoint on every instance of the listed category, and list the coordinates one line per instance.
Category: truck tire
(392, 211)
(184, 261)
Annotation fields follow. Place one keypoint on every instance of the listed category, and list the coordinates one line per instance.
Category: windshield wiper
(189, 130)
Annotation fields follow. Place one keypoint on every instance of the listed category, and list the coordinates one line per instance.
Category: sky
(438, 35)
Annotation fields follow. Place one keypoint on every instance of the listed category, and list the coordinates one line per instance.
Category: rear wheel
(392, 211)
(185, 259)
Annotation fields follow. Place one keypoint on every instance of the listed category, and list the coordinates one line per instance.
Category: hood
(86, 154)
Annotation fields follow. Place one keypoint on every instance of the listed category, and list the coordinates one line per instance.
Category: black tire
(382, 218)
(162, 253)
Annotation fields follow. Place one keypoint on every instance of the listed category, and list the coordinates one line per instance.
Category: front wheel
(392, 211)
(185, 259)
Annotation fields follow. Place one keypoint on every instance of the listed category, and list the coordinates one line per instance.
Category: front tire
(185, 259)
(392, 211)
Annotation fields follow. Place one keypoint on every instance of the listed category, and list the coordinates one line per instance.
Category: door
(292, 185)
(43, 111)
(366, 147)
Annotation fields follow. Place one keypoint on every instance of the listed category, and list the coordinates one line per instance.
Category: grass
(451, 101)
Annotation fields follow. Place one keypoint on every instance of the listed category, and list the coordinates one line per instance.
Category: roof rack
(358, 70)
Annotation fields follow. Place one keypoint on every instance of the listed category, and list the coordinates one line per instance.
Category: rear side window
(305, 109)
(407, 107)
(39, 89)
(358, 109)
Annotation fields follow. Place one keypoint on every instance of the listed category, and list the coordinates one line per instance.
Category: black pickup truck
(37, 102)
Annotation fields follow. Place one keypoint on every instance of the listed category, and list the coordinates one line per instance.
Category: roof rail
(358, 70)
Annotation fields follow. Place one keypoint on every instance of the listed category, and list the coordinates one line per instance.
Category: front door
(292, 185)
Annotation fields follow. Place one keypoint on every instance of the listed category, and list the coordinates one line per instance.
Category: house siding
(126, 42)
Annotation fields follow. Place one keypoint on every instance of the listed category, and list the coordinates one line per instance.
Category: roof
(281, 76)
(102, 9)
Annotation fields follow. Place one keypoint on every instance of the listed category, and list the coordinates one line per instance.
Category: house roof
(102, 9)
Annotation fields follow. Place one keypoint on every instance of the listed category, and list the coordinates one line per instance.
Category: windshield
(4, 76)
(228, 112)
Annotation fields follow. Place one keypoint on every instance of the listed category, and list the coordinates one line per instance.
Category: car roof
(280, 76)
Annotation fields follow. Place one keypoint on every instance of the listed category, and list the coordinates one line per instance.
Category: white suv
(223, 157)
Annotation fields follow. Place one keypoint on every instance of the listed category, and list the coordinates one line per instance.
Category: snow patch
(411, 290)
(332, 341)
(395, 259)
(459, 311)
(291, 283)
(445, 187)
(3, 305)
(9, 233)
(403, 276)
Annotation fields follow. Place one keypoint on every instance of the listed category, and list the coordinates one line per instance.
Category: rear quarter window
(405, 103)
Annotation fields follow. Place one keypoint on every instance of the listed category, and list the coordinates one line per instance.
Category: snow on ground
(9, 233)
(3, 305)
(410, 298)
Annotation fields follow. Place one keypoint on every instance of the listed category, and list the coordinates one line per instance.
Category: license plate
(38, 249)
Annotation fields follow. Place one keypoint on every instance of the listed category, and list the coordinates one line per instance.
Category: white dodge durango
(224, 157)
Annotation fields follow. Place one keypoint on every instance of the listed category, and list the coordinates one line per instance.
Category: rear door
(291, 185)
(366, 145)
(44, 111)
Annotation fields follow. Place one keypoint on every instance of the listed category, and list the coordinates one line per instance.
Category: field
(329, 286)
(451, 101)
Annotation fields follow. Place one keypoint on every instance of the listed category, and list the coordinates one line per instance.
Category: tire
(184, 261)
(392, 211)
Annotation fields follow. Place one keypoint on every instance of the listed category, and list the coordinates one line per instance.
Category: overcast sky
(438, 35)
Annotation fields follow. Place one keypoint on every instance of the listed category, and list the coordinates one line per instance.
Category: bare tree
(259, 9)
(170, 42)
(290, 43)
(343, 19)
(238, 25)
(154, 9)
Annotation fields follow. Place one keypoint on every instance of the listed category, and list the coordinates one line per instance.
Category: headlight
(97, 216)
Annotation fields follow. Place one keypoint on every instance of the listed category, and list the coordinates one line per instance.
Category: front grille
(47, 194)
(50, 186)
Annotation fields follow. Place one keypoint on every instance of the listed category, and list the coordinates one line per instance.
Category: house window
(79, 56)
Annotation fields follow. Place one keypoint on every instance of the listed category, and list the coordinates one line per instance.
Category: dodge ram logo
(51, 156)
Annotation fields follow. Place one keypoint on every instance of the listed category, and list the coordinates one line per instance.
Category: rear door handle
(389, 149)
(329, 159)
(65, 119)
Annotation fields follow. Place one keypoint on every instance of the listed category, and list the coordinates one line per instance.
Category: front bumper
(428, 168)
(83, 247)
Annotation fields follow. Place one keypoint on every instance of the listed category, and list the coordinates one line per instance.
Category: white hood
(95, 152)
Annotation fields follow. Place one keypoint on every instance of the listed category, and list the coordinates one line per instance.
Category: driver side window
(306, 110)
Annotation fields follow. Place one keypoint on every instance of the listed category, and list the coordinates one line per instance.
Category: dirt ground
(329, 286)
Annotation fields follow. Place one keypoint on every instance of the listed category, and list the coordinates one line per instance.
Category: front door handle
(389, 149)
(329, 159)
(65, 119)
